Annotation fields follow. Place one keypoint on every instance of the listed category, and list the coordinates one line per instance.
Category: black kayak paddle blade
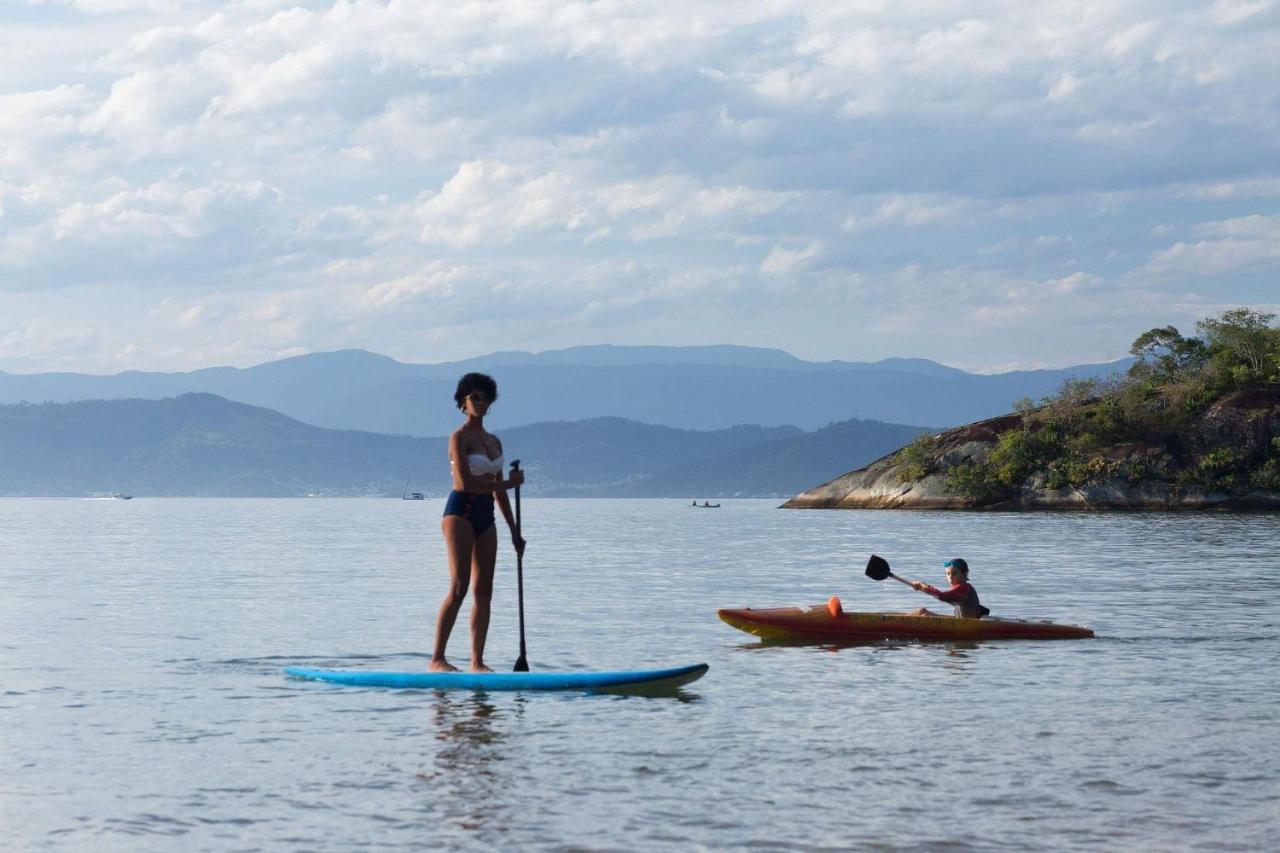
(878, 568)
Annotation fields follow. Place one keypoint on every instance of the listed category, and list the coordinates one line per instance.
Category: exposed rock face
(1246, 424)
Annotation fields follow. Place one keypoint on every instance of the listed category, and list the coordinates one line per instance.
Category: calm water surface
(142, 705)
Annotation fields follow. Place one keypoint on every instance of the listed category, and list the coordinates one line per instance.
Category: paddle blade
(522, 665)
(878, 568)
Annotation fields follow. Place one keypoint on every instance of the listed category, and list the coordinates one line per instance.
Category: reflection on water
(467, 721)
(468, 775)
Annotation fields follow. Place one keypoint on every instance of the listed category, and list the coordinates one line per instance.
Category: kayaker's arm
(921, 586)
(954, 595)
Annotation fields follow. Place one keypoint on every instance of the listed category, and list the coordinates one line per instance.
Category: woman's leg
(485, 557)
(460, 541)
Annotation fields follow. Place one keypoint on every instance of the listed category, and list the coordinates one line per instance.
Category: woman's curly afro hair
(472, 383)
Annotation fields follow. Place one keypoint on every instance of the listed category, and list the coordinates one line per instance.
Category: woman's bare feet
(480, 667)
(441, 665)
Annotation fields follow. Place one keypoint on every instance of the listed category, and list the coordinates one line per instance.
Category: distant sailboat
(411, 496)
(121, 496)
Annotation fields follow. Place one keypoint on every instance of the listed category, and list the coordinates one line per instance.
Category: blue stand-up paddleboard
(618, 681)
(641, 681)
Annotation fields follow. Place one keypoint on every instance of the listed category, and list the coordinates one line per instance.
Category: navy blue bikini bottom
(477, 509)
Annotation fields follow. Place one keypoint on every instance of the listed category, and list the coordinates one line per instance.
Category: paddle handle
(522, 662)
(900, 580)
(515, 466)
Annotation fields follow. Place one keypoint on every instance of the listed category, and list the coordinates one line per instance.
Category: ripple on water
(151, 651)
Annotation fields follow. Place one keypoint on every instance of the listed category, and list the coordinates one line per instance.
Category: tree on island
(1175, 417)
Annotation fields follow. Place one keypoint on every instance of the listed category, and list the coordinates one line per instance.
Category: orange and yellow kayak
(825, 624)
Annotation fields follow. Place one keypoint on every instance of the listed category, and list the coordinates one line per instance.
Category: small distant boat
(706, 505)
(121, 496)
(411, 496)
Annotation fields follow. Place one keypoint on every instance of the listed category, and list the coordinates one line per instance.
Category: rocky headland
(1134, 448)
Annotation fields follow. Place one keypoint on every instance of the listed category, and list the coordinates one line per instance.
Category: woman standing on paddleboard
(468, 524)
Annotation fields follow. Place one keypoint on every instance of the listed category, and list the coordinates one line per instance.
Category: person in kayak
(961, 595)
(468, 524)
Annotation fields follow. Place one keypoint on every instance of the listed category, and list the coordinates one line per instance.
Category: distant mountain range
(695, 388)
(202, 444)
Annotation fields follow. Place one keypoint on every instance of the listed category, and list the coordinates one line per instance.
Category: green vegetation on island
(1191, 411)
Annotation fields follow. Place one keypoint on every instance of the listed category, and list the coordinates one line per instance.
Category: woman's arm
(504, 504)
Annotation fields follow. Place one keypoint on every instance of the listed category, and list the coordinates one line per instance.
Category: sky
(993, 185)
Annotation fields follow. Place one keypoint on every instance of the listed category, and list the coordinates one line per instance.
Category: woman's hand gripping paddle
(878, 570)
(522, 663)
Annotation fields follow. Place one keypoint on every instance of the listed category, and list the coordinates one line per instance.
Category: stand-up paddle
(522, 663)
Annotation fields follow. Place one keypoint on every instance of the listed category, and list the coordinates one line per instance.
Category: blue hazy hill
(205, 445)
(701, 388)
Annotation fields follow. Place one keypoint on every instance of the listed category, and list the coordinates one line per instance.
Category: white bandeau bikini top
(480, 464)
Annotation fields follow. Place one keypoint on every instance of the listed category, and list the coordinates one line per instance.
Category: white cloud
(1074, 283)
(1232, 12)
(1129, 38)
(915, 211)
(165, 234)
(1258, 188)
(149, 103)
(1243, 243)
(439, 281)
(494, 203)
(38, 340)
(33, 123)
(366, 172)
(1064, 87)
(783, 261)
(158, 45)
